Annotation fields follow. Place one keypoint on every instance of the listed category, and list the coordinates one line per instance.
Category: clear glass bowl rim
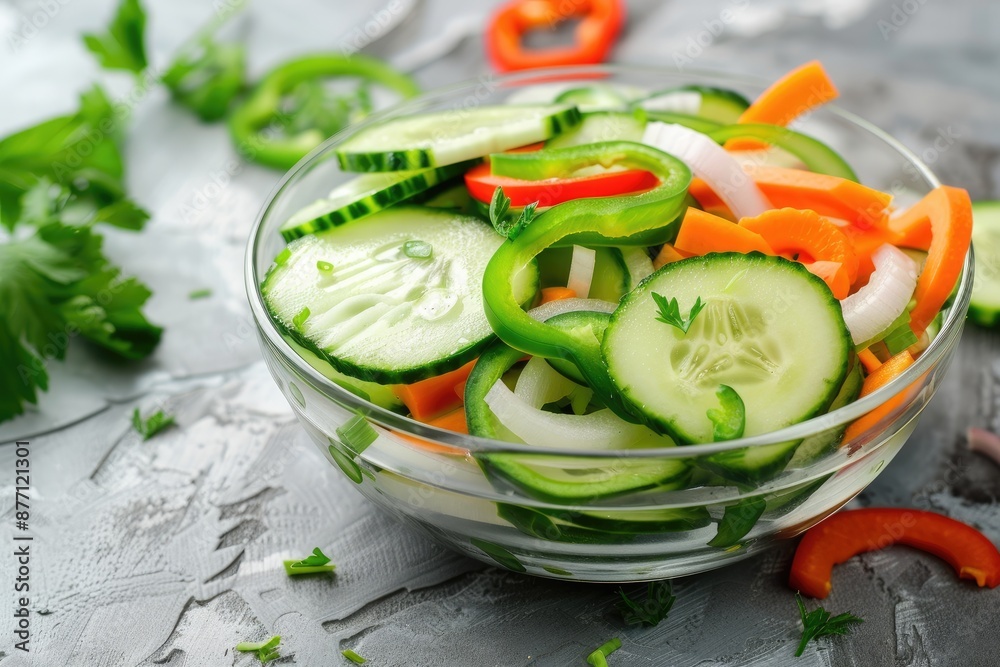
(939, 347)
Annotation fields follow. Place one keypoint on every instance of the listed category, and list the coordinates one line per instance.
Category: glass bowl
(435, 479)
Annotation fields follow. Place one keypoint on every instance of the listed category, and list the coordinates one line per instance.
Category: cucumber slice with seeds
(365, 195)
(395, 299)
(769, 329)
(715, 104)
(601, 126)
(448, 137)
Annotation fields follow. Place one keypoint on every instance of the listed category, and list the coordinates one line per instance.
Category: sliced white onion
(711, 163)
(598, 430)
(552, 308)
(870, 310)
(539, 384)
(581, 270)
(679, 101)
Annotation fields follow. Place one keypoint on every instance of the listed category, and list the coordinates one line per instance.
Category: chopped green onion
(266, 651)
(599, 657)
(900, 338)
(151, 425)
(418, 249)
(200, 293)
(357, 434)
(301, 318)
(353, 657)
(317, 563)
(324, 267)
(282, 257)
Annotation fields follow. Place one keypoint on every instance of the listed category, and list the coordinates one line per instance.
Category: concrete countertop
(168, 552)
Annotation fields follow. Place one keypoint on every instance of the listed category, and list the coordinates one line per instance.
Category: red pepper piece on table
(852, 532)
(600, 23)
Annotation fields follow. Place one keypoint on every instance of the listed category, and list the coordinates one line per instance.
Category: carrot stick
(708, 200)
(947, 212)
(869, 360)
(827, 195)
(451, 421)
(556, 294)
(880, 377)
(810, 237)
(434, 396)
(702, 233)
(668, 255)
(799, 91)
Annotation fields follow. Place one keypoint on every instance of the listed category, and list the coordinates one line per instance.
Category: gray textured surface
(168, 551)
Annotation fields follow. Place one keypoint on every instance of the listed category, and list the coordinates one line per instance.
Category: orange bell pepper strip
(668, 255)
(876, 379)
(434, 396)
(945, 215)
(827, 195)
(702, 233)
(799, 91)
(852, 532)
(600, 23)
(811, 238)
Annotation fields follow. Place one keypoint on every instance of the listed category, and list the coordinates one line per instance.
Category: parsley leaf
(57, 285)
(122, 46)
(659, 599)
(318, 562)
(819, 623)
(152, 424)
(728, 422)
(207, 74)
(502, 223)
(670, 312)
(266, 651)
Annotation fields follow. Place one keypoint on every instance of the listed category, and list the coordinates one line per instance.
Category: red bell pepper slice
(852, 532)
(482, 183)
(600, 23)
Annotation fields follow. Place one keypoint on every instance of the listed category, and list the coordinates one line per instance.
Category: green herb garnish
(266, 651)
(353, 657)
(728, 422)
(299, 319)
(818, 623)
(659, 599)
(670, 312)
(151, 425)
(317, 563)
(202, 293)
(122, 46)
(502, 223)
(418, 249)
(598, 658)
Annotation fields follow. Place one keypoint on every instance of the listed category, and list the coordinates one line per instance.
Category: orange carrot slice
(881, 376)
(668, 254)
(702, 233)
(810, 237)
(556, 294)
(869, 360)
(708, 200)
(947, 212)
(827, 195)
(434, 396)
(799, 91)
(451, 421)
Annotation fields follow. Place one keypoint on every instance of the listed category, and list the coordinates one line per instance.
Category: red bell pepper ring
(852, 532)
(482, 182)
(600, 23)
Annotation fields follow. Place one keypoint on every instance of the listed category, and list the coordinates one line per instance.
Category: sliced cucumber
(601, 126)
(813, 153)
(769, 329)
(588, 325)
(452, 197)
(714, 104)
(365, 195)
(594, 98)
(447, 137)
(667, 520)
(566, 479)
(394, 299)
(985, 305)
(545, 526)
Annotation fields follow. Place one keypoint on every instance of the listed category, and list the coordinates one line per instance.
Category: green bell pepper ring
(249, 123)
(607, 217)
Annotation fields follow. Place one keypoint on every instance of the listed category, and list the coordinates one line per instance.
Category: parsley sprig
(659, 599)
(819, 623)
(266, 651)
(670, 312)
(505, 225)
(122, 46)
(317, 563)
(149, 426)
